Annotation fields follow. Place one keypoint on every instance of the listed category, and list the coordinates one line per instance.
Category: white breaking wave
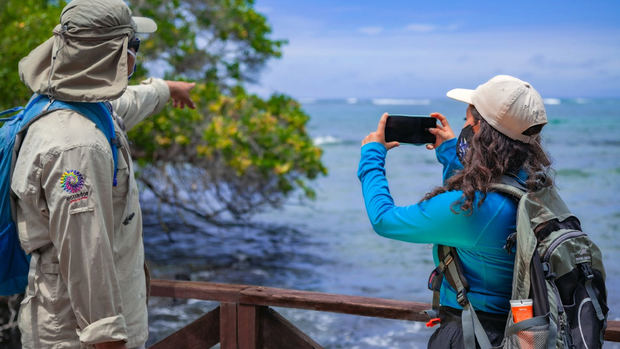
(582, 100)
(352, 100)
(323, 140)
(400, 101)
(552, 101)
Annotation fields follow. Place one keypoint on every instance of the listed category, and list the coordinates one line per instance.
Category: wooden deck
(244, 320)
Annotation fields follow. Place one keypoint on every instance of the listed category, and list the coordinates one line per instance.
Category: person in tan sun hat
(500, 140)
(77, 209)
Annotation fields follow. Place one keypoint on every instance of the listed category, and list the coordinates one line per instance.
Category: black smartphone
(410, 129)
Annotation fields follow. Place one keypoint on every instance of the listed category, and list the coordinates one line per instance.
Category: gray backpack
(556, 265)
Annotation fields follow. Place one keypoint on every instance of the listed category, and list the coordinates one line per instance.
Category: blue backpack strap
(14, 263)
(23, 111)
(100, 115)
(10, 111)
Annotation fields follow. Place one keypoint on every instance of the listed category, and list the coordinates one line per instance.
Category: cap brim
(461, 95)
(144, 25)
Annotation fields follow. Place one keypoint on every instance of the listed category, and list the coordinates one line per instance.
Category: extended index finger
(381, 125)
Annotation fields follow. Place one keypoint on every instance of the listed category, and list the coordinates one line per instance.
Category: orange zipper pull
(433, 322)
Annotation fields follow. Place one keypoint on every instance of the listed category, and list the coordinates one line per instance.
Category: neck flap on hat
(82, 62)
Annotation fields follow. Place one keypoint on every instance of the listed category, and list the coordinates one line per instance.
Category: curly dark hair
(491, 155)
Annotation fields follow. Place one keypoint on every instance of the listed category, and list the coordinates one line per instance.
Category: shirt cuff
(109, 329)
(373, 146)
(163, 92)
(446, 151)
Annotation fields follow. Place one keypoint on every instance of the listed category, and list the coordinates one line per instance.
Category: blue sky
(404, 49)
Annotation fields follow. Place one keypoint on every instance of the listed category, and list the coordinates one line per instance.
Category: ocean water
(328, 244)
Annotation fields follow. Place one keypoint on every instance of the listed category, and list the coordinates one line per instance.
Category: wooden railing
(244, 320)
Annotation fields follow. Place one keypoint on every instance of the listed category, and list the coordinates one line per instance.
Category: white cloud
(371, 30)
(401, 65)
(420, 28)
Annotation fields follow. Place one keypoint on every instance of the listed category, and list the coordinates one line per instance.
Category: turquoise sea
(328, 244)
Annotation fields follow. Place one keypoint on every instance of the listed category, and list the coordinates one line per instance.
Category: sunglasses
(134, 43)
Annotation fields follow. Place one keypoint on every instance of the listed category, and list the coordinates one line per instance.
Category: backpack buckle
(461, 298)
(547, 270)
(587, 270)
(545, 267)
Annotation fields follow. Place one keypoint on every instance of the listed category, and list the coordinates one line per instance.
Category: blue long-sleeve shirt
(479, 237)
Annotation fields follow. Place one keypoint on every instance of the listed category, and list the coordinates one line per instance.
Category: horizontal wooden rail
(268, 296)
(335, 303)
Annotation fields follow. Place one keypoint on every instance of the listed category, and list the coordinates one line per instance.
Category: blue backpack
(14, 263)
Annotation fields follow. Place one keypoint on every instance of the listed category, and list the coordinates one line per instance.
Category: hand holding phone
(378, 136)
(411, 129)
(442, 132)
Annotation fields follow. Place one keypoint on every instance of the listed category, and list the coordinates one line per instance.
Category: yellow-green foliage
(249, 136)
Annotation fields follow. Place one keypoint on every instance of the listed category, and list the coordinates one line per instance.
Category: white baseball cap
(508, 104)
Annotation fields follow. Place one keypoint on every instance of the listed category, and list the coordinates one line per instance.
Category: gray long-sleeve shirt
(87, 282)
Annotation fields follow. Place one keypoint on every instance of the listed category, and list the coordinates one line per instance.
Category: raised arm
(431, 221)
(150, 97)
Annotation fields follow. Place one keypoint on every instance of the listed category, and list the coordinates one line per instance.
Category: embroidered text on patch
(72, 181)
(77, 197)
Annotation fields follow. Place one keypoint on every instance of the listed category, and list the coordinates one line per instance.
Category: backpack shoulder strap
(453, 271)
(8, 112)
(510, 186)
(99, 114)
(14, 263)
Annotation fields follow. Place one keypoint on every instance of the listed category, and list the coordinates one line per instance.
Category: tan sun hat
(86, 59)
(508, 104)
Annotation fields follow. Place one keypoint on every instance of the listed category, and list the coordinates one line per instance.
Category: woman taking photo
(500, 138)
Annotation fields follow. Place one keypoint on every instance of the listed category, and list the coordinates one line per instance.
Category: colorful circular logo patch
(72, 181)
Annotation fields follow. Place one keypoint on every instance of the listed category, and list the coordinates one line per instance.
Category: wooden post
(247, 320)
(228, 326)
